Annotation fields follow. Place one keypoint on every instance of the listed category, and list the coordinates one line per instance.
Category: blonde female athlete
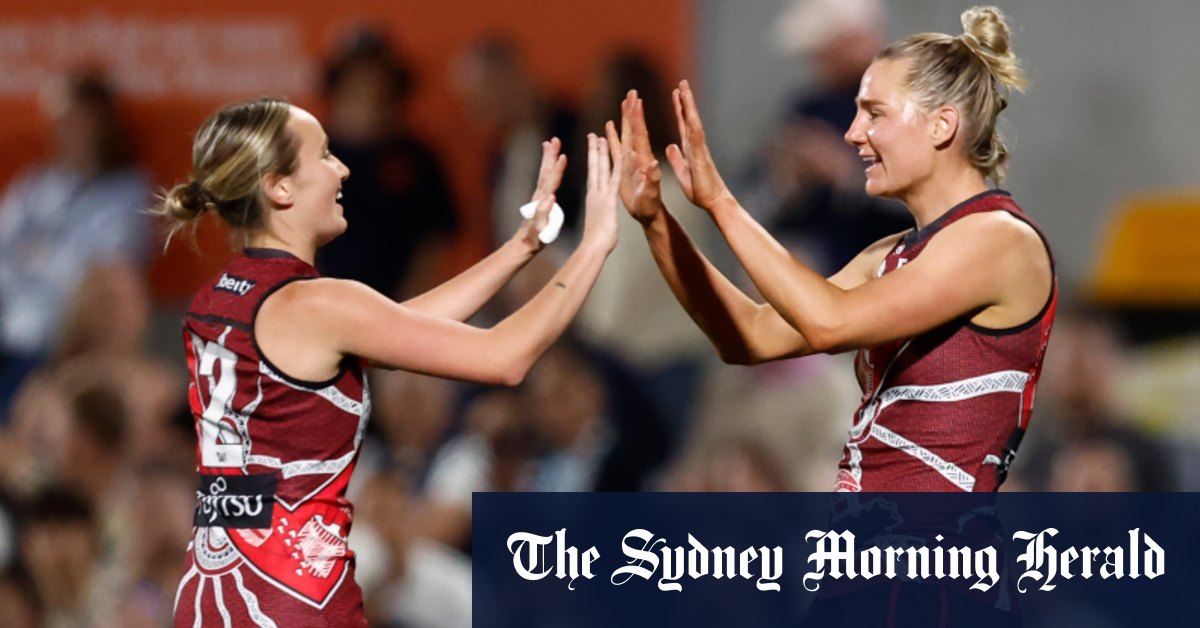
(276, 356)
(950, 319)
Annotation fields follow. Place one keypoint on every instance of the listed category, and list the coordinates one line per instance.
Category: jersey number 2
(220, 443)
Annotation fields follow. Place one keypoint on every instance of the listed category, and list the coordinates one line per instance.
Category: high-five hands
(640, 176)
(694, 166)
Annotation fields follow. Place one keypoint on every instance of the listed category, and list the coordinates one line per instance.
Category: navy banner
(836, 560)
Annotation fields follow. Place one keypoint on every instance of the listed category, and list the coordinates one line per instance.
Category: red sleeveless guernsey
(275, 454)
(945, 410)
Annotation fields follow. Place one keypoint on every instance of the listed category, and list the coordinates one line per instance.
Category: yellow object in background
(1150, 254)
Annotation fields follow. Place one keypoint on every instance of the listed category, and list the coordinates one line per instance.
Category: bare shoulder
(998, 234)
(299, 326)
(1007, 254)
(320, 307)
(322, 294)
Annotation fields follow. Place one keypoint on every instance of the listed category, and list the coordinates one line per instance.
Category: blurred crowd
(97, 468)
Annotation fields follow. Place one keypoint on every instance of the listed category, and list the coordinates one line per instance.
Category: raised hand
(550, 175)
(694, 166)
(550, 172)
(603, 180)
(640, 176)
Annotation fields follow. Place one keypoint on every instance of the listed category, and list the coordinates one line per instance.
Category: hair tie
(198, 197)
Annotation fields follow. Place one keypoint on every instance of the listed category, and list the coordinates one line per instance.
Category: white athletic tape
(549, 233)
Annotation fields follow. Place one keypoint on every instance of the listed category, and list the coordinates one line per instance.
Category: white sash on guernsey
(998, 382)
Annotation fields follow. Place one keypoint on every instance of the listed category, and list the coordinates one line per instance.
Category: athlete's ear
(278, 188)
(944, 125)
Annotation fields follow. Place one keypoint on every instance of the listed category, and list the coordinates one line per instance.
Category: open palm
(640, 175)
(693, 163)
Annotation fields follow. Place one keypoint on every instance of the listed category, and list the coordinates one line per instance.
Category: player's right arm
(308, 326)
(742, 330)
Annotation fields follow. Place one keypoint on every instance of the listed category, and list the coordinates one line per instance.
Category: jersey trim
(1009, 381)
(317, 604)
(265, 253)
(951, 472)
(329, 393)
(219, 320)
(917, 235)
(260, 619)
(1016, 329)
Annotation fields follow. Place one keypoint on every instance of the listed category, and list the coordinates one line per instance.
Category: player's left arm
(972, 265)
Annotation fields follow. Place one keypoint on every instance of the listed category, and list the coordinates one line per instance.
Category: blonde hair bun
(987, 34)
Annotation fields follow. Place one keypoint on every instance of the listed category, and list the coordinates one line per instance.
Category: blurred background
(438, 109)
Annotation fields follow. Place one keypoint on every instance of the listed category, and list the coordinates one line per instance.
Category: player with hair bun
(950, 319)
(276, 356)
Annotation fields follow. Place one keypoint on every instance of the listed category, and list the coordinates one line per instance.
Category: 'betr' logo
(236, 285)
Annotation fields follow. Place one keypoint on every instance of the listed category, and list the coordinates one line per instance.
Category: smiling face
(316, 185)
(894, 135)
